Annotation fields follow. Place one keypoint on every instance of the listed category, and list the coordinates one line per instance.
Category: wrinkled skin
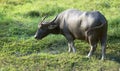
(74, 24)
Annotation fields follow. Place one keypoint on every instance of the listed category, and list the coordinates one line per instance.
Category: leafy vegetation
(19, 51)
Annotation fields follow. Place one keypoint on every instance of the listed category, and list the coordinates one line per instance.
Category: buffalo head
(45, 28)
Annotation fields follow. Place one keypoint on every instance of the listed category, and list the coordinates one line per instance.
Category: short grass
(19, 51)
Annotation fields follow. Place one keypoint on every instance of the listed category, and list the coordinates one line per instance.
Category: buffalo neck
(55, 30)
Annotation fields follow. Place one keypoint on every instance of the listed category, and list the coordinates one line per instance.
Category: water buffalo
(74, 24)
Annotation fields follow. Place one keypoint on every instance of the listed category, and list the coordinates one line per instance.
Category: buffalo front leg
(71, 47)
(70, 41)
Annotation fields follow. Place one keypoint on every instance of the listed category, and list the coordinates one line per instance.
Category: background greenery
(19, 51)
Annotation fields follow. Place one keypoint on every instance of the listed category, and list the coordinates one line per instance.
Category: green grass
(57, 62)
(19, 51)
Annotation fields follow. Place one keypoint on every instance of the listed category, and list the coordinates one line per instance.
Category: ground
(19, 51)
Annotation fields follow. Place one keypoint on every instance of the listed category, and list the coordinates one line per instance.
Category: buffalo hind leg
(93, 44)
(103, 46)
(92, 49)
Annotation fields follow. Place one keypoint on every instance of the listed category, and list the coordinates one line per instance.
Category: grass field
(19, 51)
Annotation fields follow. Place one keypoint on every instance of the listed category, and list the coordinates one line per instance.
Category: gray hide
(74, 24)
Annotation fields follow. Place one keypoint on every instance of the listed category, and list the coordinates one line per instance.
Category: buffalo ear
(52, 26)
(39, 25)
